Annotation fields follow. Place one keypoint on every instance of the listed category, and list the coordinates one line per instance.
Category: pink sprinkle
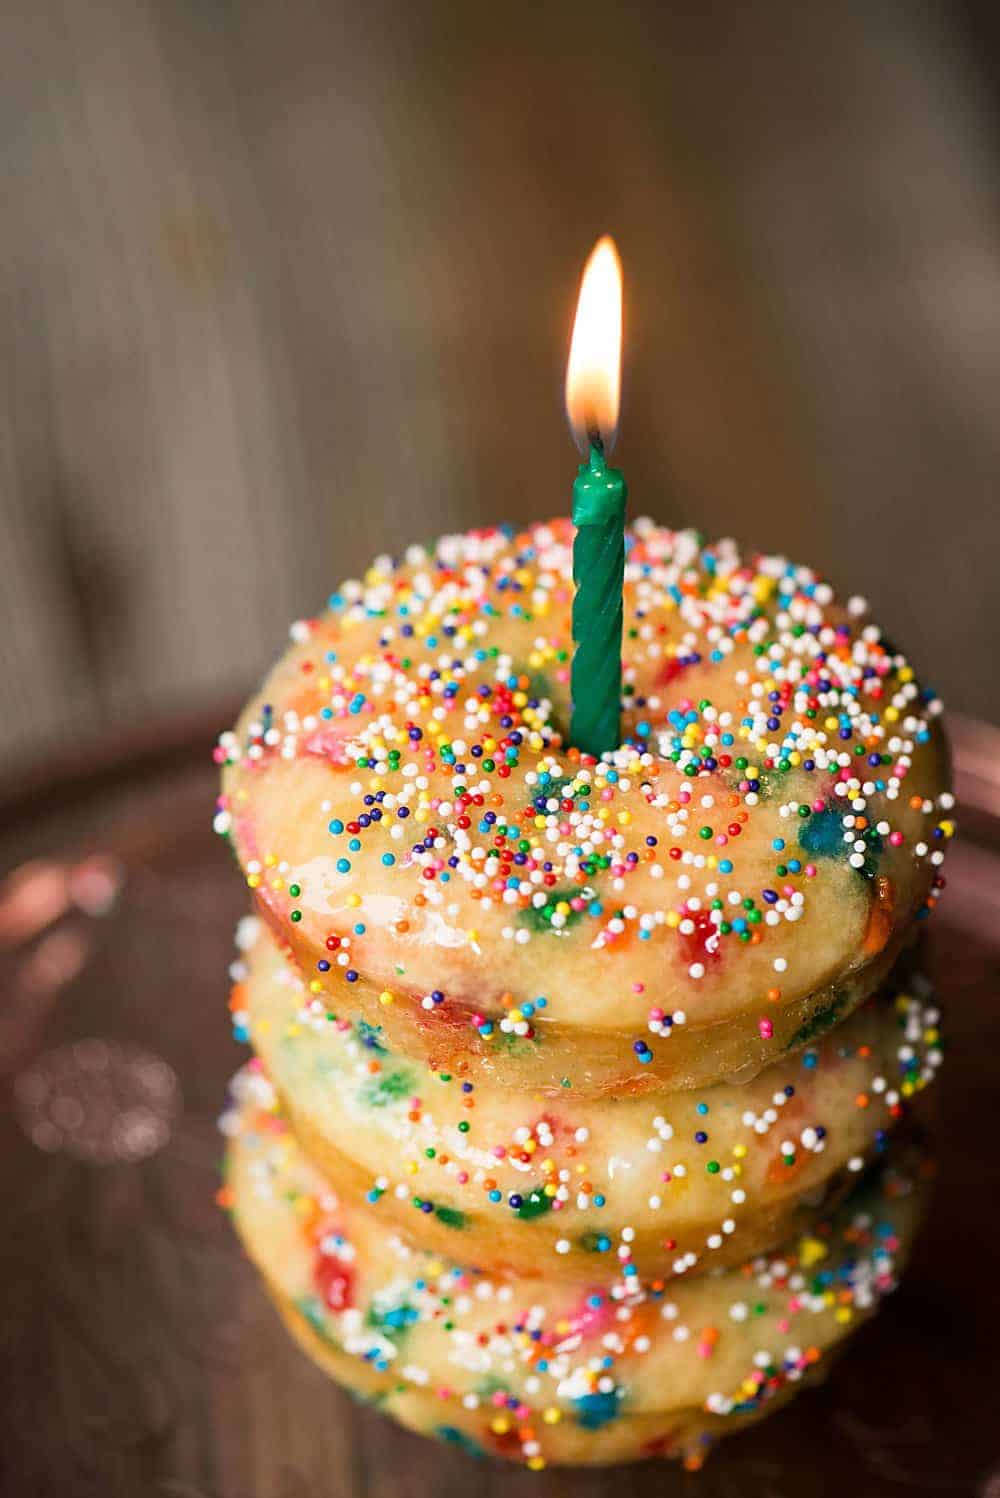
(810, 871)
(655, 1015)
(896, 839)
(766, 1028)
(818, 804)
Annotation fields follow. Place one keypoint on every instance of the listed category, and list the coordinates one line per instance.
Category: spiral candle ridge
(598, 572)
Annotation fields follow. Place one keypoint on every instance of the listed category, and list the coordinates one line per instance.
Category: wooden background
(285, 284)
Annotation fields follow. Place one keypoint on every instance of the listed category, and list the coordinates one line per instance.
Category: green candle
(598, 572)
(593, 382)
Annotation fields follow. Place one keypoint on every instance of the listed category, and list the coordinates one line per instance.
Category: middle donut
(669, 1183)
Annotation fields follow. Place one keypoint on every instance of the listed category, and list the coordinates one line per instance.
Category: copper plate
(140, 1356)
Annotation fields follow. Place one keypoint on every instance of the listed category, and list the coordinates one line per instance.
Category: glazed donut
(539, 1370)
(736, 877)
(682, 1182)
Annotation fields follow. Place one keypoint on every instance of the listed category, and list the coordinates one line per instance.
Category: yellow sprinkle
(552, 1416)
(811, 1251)
(385, 997)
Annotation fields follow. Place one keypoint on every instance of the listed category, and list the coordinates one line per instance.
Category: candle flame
(594, 371)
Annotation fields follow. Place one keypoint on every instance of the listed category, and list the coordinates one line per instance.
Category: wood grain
(284, 285)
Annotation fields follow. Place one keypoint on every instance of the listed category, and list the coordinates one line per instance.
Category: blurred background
(284, 285)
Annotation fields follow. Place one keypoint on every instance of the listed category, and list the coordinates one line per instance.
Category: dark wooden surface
(139, 1356)
(283, 282)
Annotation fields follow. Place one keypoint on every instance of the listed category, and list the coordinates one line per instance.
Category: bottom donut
(543, 1372)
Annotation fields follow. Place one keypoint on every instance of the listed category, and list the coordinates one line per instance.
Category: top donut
(443, 864)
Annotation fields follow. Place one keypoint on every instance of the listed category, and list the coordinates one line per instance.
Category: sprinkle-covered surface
(738, 875)
(663, 1185)
(541, 1371)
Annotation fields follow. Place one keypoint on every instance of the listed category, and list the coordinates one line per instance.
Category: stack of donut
(571, 1129)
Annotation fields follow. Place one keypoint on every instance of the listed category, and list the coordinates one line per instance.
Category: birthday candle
(593, 383)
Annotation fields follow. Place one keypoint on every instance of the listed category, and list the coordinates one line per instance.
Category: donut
(541, 1371)
(505, 1180)
(741, 873)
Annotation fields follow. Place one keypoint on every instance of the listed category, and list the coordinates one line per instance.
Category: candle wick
(595, 439)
